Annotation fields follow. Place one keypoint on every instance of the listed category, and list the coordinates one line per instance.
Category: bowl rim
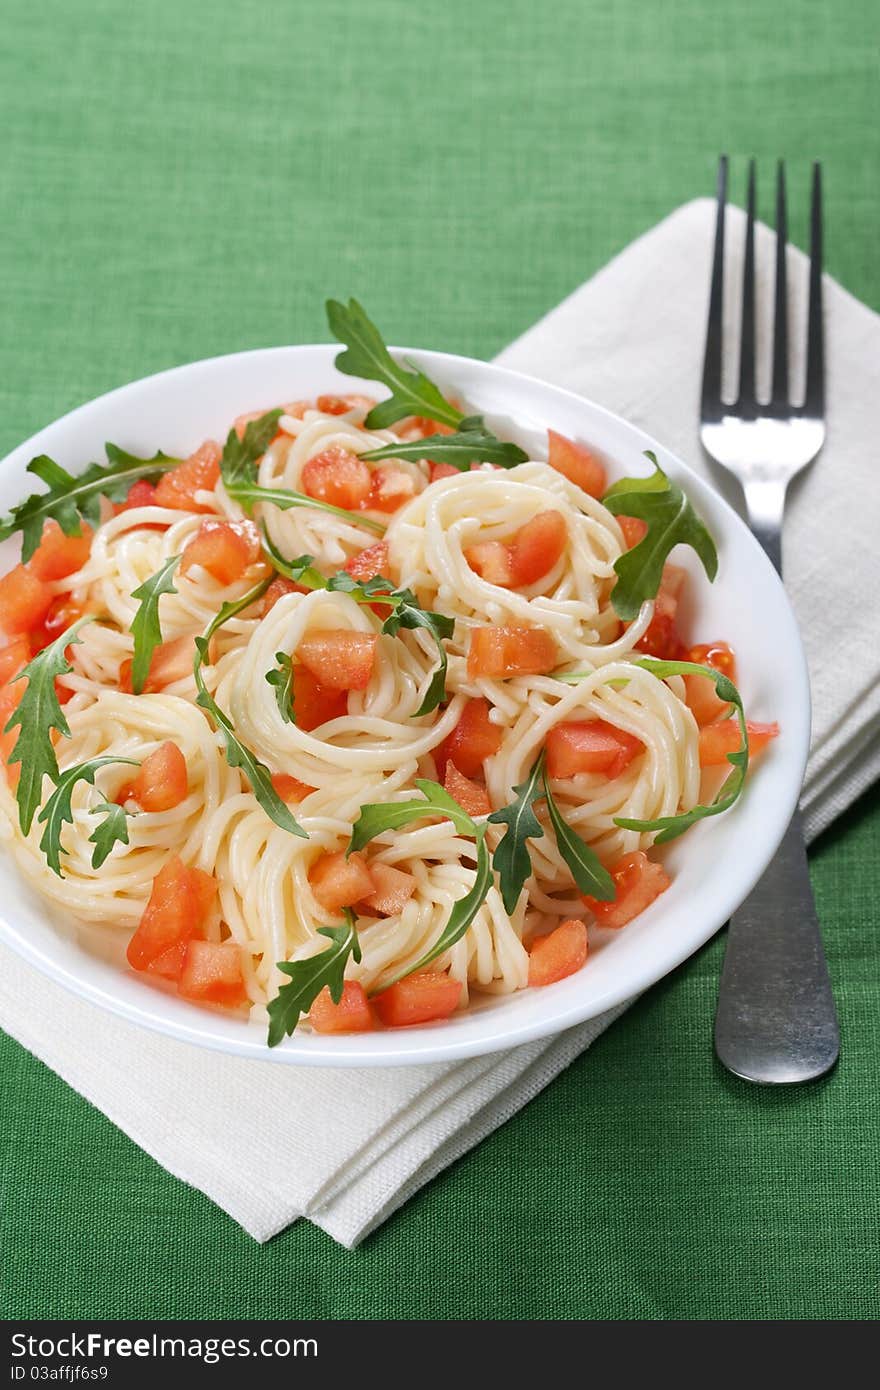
(424, 1043)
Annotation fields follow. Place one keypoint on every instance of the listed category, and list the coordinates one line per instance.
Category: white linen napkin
(269, 1143)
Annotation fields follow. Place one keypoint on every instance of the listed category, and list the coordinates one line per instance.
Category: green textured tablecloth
(187, 177)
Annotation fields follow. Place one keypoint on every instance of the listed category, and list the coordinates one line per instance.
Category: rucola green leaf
(281, 679)
(511, 859)
(671, 827)
(112, 830)
(472, 443)
(671, 521)
(145, 626)
(309, 977)
(239, 461)
(237, 753)
(58, 811)
(588, 872)
(71, 500)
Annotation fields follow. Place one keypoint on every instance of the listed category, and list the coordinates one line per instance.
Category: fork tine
(814, 397)
(711, 394)
(780, 320)
(747, 338)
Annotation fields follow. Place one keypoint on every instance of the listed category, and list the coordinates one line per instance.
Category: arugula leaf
(145, 626)
(589, 874)
(511, 859)
(301, 570)
(366, 355)
(671, 827)
(58, 811)
(671, 521)
(308, 978)
(248, 495)
(37, 714)
(112, 830)
(282, 679)
(71, 500)
(471, 444)
(237, 753)
(378, 816)
(239, 461)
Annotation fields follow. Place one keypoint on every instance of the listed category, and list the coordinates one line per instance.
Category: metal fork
(776, 1022)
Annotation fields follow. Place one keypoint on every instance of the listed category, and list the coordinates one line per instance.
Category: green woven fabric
(185, 179)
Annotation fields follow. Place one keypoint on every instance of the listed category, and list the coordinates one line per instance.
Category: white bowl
(714, 866)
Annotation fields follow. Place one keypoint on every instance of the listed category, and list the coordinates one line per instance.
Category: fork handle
(776, 1022)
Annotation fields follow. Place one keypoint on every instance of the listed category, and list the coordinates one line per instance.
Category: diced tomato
(198, 473)
(297, 409)
(341, 405)
(63, 613)
(211, 973)
(339, 882)
(161, 782)
(576, 463)
(140, 494)
(13, 659)
(58, 555)
(368, 563)
(717, 740)
(428, 427)
(590, 745)
(634, 530)
(338, 477)
(10, 697)
(280, 586)
(661, 638)
(315, 704)
(472, 741)
(418, 999)
(561, 953)
(180, 902)
(226, 549)
(492, 561)
(700, 693)
(471, 797)
(498, 652)
(442, 470)
(241, 423)
(351, 1015)
(393, 889)
(290, 788)
(637, 882)
(390, 488)
(338, 658)
(24, 601)
(171, 661)
(537, 547)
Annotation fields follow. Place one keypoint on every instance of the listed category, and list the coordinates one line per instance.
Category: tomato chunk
(700, 693)
(537, 547)
(418, 999)
(241, 423)
(499, 652)
(10, 697)
(717, 740)
(63, 613)
(339, 477)
(492, 561)
(226, 549)
(590, 745)
(661, 638)
(280, 586)
(211, 973)
(338, 658)
(637, 882)
(576, 463)
(315, 704)
(13, 659)
(634, 530)
(341, 405)
(180, 902)
(339, 882)
(471, 797)
(58, 555)
(140, 494)
(351, 1015)
(442, 470)
(198, 473)
(290, 788)
(391, 487)
(369, 563)
(24, 601)
(472, 741)
(393, 889)
(561, 953)
(171, 661)
(161, 782)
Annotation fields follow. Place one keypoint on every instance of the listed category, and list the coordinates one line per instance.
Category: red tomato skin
(211, 973)
(337, 881)
(315, 704)
(537, 547)
(24, 601)
(590, 745)
(338, 658)
(577, 463)
(717, 740)
(638, 880)
(470, 796)
(559, 954)
(58, 555)
(700, 693)
(390, 488)
(226, 549)
(393, 889)
(13, 659)
(171, 661)
(290, 788)
(339, 477)
(351, 1015)
(634, 530)
(369, 563)
(341, 405)
(179, 903)
(140, 494)
(474, 739)
(497, 653)
(198, 473)
(419, 998)
(161, 782)
(279, 587)
(10, 697)
(492, 561)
